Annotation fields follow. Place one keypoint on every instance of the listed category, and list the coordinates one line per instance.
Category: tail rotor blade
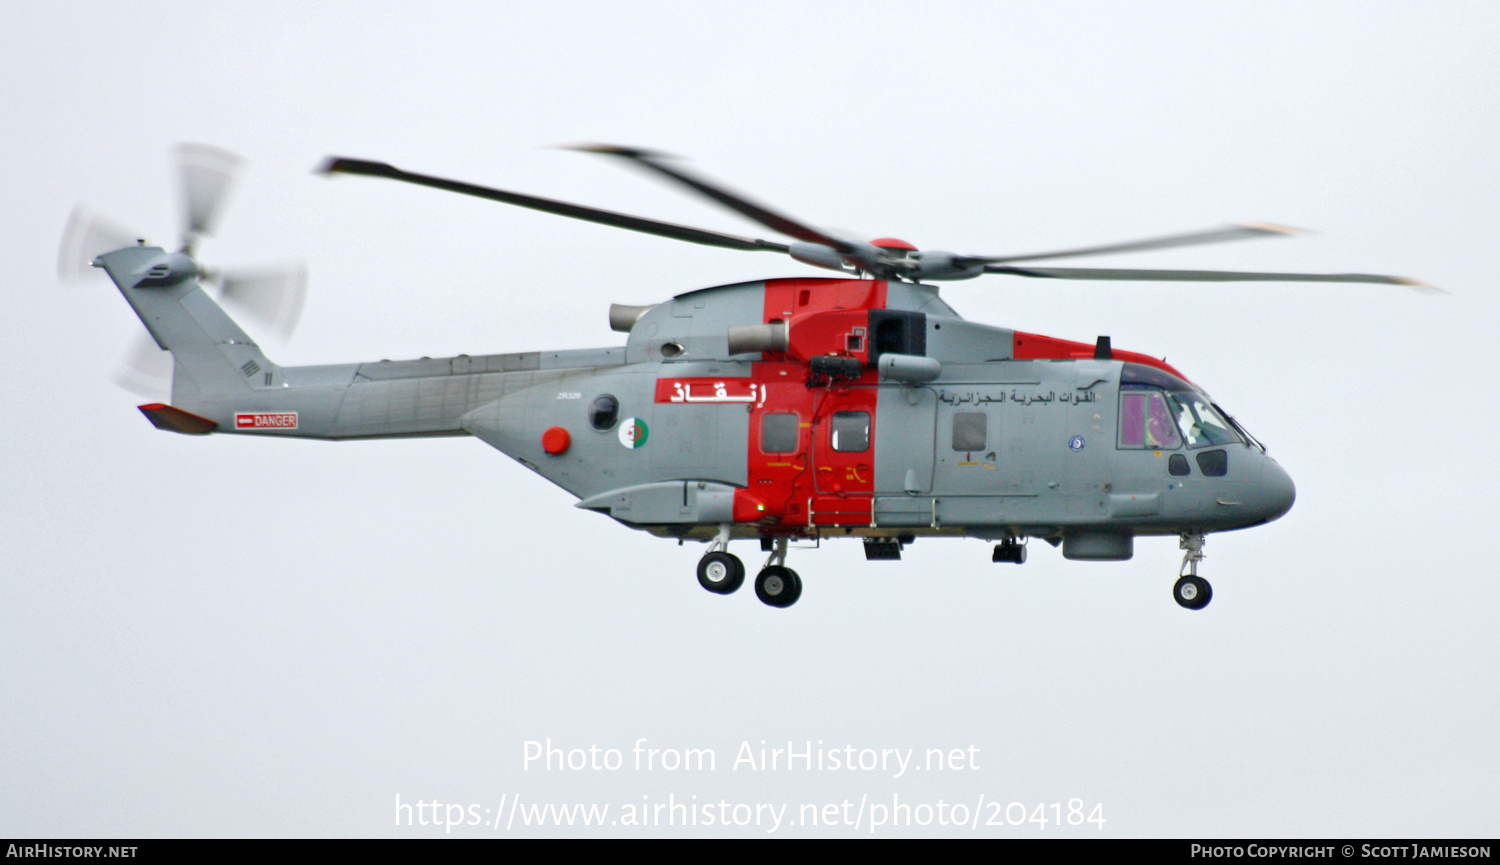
(147, 370)
(207, 173)
(86, 237)
(271, 298)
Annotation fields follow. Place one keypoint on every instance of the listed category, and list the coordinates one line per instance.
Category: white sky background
(229, 636)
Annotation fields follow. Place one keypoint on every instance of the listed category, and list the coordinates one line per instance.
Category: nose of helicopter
(1275, 492)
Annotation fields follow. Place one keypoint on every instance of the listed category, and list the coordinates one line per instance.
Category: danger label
(266, 420)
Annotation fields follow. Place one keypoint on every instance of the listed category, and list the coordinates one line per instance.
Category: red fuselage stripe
(812, 484)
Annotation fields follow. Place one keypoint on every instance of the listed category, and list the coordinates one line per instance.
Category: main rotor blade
(341, 165)
(738, 203)
(1242, 231)
(1206, 276)
(207, 173)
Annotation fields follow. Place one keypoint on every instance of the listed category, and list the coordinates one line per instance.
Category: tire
(720, 573)
(1192, 593)
(777, 586)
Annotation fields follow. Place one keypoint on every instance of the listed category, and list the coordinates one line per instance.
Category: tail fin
(213, 357)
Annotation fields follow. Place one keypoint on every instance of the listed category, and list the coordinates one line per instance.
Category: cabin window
(851, 431)
(1146, 421)
(1177, 466)
(970, 429)
(604, 412)
(778, 433)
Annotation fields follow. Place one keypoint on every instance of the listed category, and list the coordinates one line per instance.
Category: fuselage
(771, 409)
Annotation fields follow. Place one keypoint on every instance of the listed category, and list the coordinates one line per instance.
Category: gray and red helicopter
(776, 410)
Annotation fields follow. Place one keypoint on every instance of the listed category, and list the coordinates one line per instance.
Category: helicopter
(776, 410)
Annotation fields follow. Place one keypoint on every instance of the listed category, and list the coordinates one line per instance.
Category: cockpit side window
(1146, 420)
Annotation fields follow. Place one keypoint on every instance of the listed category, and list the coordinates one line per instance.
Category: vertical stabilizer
(213, 357)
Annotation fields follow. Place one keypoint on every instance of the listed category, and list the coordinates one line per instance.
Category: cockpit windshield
(1200, 423)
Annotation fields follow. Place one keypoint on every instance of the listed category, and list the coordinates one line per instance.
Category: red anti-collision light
(556, 440)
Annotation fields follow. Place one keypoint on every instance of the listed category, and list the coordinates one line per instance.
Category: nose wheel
(1192, 592)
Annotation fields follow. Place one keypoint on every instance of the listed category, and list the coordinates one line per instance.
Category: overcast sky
(229, 636)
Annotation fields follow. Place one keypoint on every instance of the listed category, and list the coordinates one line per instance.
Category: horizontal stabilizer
(173, 419)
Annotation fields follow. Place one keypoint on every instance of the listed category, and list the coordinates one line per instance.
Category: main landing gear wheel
(778, 586)
(1192, 592)
(720, 573)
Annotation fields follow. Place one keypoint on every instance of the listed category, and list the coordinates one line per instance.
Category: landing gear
(721, 573)
(1192, 591)
(778, 585)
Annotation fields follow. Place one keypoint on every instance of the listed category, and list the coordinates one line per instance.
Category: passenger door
(844, 456)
